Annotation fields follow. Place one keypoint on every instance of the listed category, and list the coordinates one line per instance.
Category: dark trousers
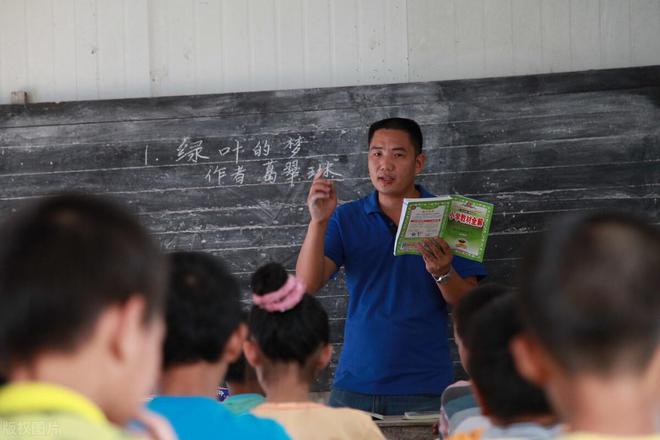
(387, 405)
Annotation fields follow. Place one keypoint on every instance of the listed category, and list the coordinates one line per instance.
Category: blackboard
(229, 173)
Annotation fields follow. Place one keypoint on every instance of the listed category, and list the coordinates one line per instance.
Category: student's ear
(234, 346)
(324, 357)
(252, 353)
(420, 160)
(124, 324)
(531, 359)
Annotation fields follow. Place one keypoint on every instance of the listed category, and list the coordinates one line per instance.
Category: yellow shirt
(31, 410)
(592, 436)
(308, 420)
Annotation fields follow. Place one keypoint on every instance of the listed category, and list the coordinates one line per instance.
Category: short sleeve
(469, 268)
(333, 243)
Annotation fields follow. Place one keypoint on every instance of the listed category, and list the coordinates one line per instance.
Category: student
(395, 356)
(515, 408)
(81, 320)
(205, 334)
(245, 392)
(289, 346)
(458, 402)
(590, 297)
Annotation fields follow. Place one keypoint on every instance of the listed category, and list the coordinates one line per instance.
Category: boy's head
(503, 394)
(466, 309)
(204, 317)
(82, 282)
(590, 297)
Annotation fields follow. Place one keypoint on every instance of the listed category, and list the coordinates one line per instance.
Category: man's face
(393, 163)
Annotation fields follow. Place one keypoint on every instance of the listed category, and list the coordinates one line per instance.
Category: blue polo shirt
(395, 338)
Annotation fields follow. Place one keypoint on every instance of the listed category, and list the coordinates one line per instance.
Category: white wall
(61, 50)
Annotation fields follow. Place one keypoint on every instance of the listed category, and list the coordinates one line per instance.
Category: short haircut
(471, 303)
(408, 125)
(291, 336)
(506, 394)
(63, 261)
(203, 309)
(590, 292)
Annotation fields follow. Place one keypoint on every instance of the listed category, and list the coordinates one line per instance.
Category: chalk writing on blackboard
(293, 145)
(190, 151)
(239, 175)
(291, 171)
(288, 169)
(218, 173)
(261, 149)
(270, 176)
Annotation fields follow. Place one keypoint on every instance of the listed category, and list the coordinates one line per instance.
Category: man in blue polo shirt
(396, 352)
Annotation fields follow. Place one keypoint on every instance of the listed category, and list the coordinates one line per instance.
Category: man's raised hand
(322, 198)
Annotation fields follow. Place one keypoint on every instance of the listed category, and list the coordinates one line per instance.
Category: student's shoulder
(188, 404)
(249, 426)
(361, 422)
(57, 426)
(475, 434)
(594, 436)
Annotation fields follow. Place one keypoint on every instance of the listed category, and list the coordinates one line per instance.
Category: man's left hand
(437, 256)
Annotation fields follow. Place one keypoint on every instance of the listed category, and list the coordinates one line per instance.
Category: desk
(398, 428)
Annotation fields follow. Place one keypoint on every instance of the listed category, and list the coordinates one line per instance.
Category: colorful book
(462, 222)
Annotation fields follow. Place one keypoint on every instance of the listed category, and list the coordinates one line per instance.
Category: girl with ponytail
(289, 346)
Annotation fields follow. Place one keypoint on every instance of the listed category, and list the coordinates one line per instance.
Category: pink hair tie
(285, 298)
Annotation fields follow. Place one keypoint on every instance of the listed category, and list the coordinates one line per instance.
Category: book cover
(420, 219)
(462, 222)
(467, 227)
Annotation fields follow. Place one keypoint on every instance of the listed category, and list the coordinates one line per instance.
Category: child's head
(241, 378)
(505, 397)
(204, 317)
(466, 309)
(298, 335)
(82, 284)
(590, 297)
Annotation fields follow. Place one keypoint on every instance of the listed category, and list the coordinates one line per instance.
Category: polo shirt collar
(371, 205)
(29, 397)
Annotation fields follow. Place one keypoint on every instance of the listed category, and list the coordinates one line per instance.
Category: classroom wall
(61, 50)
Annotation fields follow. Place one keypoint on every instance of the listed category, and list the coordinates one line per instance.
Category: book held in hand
(462, 222)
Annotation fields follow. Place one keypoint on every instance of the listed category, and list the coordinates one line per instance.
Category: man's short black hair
(203, 308)
(408, 125)
(505, 393)
(590, 291)
(63, 261)
(471, 303)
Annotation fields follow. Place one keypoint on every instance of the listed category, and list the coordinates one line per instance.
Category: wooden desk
(397, 428)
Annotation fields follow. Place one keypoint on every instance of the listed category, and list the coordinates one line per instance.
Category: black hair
(471, 303)
(408, 125)
(291, 336)
(65, 259)
(240, 371)
(505, 393)
(590, 291)
(203, 309)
